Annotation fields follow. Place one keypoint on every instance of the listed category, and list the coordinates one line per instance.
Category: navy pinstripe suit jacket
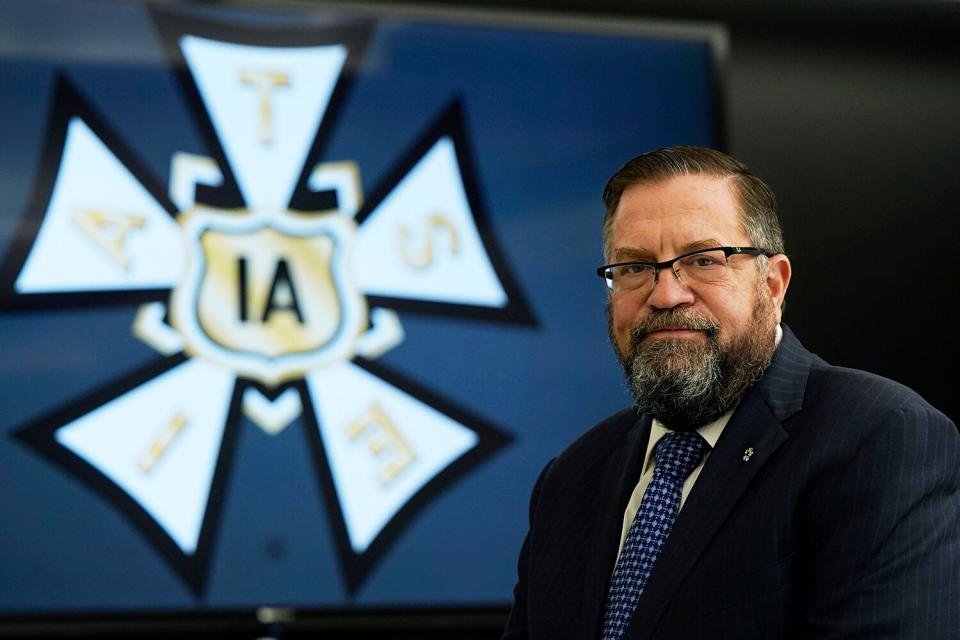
(844, 523)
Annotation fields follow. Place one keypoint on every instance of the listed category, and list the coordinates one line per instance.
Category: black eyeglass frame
(658, 266)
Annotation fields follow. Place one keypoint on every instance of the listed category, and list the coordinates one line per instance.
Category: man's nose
(669, 291)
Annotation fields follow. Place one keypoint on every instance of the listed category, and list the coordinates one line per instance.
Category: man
(753, 491)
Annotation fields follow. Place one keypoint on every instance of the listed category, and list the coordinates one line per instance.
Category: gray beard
(686, 384)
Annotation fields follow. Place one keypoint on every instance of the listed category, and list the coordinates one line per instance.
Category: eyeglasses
(705, 266)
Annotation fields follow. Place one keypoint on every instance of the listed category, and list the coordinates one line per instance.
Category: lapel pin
(747, 454)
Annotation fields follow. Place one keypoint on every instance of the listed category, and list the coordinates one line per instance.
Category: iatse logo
(268, 284)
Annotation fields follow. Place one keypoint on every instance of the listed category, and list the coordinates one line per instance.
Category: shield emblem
(269, 297)
(268, 293)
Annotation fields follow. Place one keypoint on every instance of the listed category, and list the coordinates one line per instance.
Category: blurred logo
(268, 284)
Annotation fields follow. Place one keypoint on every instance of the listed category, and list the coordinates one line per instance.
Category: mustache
(673, 319)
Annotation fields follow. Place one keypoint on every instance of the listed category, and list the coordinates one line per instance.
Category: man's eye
(702, 261)
(635, 269)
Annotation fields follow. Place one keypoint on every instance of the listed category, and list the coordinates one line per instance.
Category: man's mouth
(674, 332)
(674, 325)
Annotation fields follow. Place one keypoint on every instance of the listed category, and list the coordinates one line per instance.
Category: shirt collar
(709, 432)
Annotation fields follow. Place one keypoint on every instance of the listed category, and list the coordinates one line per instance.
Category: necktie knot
(678, 453)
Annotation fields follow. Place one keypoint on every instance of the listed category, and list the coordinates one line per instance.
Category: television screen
(296, 303)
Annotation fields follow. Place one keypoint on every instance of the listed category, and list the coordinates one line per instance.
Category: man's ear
(778, 279)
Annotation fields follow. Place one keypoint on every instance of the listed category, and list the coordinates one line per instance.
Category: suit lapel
(756, 425)
(621, 476)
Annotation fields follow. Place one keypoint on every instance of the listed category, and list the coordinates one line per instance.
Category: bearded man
(753, 490)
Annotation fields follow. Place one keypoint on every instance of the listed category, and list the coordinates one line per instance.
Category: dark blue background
(549, 115)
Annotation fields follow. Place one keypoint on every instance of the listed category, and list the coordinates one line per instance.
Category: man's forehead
(682, 211)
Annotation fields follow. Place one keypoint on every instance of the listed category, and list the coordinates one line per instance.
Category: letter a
(282, 276)
(109, 232)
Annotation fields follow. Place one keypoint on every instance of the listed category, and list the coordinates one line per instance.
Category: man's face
(690, 352)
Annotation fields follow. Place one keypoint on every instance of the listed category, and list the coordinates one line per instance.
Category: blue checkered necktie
(677, 454)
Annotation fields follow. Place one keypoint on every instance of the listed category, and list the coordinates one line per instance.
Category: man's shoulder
(595, 446)
(573, 484)
(848, 390)
(857, 406)
(822, 389)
